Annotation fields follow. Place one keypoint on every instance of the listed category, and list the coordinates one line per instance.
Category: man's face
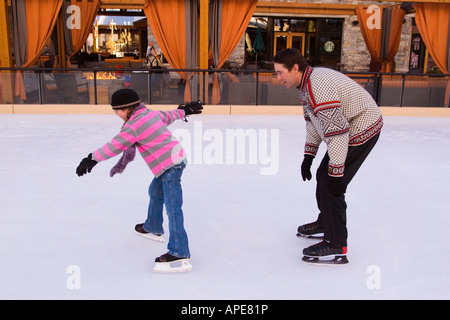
(290, 79)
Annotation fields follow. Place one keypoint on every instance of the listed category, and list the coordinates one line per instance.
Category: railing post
(448, 102)
(378, 87)
(95, 87)
(402, 95)
(41, 85)
(257, 87)
(204, 86)
(149, 87)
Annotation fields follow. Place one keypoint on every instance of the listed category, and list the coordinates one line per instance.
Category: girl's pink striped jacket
(148, 130)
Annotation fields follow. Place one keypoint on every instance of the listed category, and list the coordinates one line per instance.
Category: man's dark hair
(290, 57)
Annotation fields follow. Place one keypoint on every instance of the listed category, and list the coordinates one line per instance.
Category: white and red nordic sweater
(337, 111)
(148, 130)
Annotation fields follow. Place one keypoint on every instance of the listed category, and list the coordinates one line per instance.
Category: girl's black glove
(193, 107)
(86, 165)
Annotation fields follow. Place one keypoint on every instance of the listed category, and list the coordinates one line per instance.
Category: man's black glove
(336, 185)
(193, 107)
(306, 167)
(86, 165)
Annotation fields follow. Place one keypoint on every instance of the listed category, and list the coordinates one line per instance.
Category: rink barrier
(211, 110)
(253, 88)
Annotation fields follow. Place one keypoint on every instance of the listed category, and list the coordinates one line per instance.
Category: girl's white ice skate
(139, 229)
(171, 264)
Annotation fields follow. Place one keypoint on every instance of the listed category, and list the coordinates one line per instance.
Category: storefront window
(297, 25)
(319, 39)
(281, 25)
(419, 61)
(330, 42)
(330, 25)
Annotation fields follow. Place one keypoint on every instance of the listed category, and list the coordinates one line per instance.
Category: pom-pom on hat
(125, 98)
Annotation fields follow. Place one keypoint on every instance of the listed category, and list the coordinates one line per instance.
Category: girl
(147, 131)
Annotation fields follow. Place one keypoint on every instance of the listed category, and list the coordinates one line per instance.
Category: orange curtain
(432, 20)
(395, 32)
(167, 21)
(236, 16)
(374, 37)
(41, 18)
(88, 10)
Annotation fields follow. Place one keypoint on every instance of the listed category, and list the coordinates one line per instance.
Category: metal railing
(406, 89)
(234, 87)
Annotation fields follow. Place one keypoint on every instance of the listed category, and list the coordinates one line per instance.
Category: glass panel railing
(6, 87)
(221, 87)
(408, 90)
(391, 90)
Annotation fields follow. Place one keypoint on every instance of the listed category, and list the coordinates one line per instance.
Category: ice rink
(66, 237)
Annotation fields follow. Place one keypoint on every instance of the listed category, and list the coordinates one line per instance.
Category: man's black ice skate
(168, 263)
(312, 231)
(139, 229)
(323, 253)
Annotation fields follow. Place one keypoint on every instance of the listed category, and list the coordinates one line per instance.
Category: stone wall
(356, 58)
(404, 51)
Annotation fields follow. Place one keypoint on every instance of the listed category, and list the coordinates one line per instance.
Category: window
(319, 39)
(329, 42)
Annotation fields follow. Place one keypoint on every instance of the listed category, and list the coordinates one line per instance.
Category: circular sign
(329, 46)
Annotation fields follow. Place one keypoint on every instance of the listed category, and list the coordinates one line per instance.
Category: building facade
(327, 32)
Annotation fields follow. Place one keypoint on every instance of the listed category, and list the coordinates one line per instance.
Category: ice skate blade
(150, 236)
(182, 265)
(338, 260)
(310, 237)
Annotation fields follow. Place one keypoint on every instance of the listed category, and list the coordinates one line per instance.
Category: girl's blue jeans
(166, 190)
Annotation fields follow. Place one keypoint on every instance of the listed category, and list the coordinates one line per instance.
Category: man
(342, 114)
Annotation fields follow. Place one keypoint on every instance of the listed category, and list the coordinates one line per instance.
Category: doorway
(287, 40)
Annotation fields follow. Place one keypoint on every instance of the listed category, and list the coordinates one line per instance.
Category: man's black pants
(333, 210)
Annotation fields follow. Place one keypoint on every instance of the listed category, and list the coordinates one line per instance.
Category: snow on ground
(66, 237)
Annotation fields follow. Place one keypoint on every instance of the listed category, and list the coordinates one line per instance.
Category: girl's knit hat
(125, 98)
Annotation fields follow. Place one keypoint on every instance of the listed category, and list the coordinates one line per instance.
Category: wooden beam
(6, 85)
(307, 8)
(203, 41)
(122, 4)
(61, 41)
(430, 1)
(268, 6)
(203, 34)
(297, 8)
(5, 41)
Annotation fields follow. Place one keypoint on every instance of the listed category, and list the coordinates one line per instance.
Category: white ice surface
(241, 224)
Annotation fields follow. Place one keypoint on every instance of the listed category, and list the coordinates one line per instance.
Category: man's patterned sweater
(337, 111)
